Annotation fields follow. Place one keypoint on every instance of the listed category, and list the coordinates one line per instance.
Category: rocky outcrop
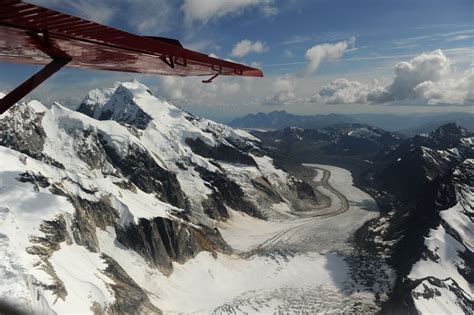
(22, 130)
(262, 184)
(228, 192)
(142, 170)
(38, 180)
(89, 216)
(122, 108)
(221, 152)
(89, 149)
(54, 233)
(129, 297)
(162, 241)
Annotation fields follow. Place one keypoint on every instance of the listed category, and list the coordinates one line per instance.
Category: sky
(318, 56)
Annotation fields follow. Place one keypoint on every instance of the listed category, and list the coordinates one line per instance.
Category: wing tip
(254, 73)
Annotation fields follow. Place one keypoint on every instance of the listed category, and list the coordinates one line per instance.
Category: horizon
(318, 57)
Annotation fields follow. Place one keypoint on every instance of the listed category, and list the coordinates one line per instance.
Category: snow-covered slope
(153, 178)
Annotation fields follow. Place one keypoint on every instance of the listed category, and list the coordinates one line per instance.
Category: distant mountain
(340, 139)
(412, 124)
(467, 121)
(282, 119)
(406, 124)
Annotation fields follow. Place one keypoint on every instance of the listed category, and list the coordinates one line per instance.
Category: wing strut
(212, 78)
(29, 85)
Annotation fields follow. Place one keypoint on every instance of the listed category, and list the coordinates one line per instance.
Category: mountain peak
(130, 102)
(134, 87)
(450, 128)
(449, 133)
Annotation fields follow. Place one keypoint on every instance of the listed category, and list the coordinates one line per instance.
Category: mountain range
(131, 205)
(408, 125)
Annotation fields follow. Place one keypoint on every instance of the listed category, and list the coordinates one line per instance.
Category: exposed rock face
(23, 131)
(429, 182)
(162, 241)
(262, 184)
(221, 152)
(143, 171)
(131, 299)
(90, 216)
(122, 108)
(54, 233)
(228, 191)
(94, 102)
(28, 138)
(89, 149)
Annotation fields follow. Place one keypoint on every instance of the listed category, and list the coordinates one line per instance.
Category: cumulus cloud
(433, 66)
(456, 91)
(190, 90)
(428, 77)
(343, 91)
(283, 91)
(206, 10)
(317, 54)
(245, 47)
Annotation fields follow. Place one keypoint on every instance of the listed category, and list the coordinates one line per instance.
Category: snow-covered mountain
(127, 175)
(428, 183)
(336, 140)
(282, 119)
(444, 277)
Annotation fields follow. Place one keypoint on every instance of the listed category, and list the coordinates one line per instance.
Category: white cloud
(255, 64)
(192, 90)
(269, 10)
(206, 10)
(319, 53)
(343, 91)
(149, 16)
(144, 16)
(91, 10)
(432, 66)
(460, 37)
(245, 47)
(289, 53)
(283, 91)
(456, 91)
(428, 77)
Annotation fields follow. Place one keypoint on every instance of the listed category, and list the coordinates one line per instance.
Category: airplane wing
(30, 34)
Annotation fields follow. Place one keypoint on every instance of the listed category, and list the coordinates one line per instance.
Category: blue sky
(318, 56)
